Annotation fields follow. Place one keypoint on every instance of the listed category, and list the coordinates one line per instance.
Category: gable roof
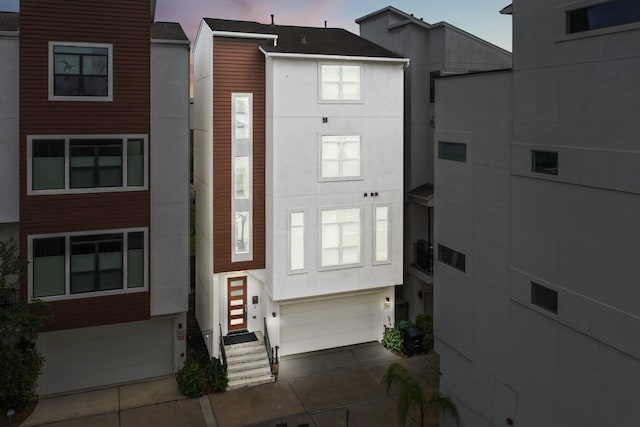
(9, 21)
(167, 31)
(305, 40)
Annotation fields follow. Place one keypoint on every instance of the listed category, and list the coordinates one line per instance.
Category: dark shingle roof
(9, 21)
(318, 41)
(167, 31)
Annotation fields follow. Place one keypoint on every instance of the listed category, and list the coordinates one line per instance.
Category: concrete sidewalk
(317, 388)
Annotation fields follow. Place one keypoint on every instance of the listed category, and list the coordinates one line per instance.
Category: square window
(544, 162)
(452, 151)
(340, 237)
(80, 71)
(340, 157)
(340, 82)
(544, 297)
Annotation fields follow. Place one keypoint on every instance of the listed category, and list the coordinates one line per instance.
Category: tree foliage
(411, 394)
(20, 361)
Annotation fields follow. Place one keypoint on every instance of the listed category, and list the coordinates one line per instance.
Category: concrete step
(233, 352)
(250, 382)
(248, 365)
(249, 373)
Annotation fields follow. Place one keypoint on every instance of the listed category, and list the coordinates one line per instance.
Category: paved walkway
(318, 388)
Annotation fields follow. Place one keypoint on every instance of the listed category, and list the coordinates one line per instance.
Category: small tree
(411, 394)
(20, 361)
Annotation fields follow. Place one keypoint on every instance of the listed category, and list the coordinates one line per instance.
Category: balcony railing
(423, 256)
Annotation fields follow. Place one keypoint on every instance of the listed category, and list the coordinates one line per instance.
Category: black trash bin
(412, 340)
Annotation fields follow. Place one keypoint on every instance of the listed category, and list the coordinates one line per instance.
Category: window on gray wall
(544, 162)
(452, 258)
(544, 297)
(603, 15)
(452, 151)
(432, 85)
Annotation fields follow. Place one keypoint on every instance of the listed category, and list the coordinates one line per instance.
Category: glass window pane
(330, 236)
(241, 183)
(94, 65)
(297, 219)
(110, 177)
(351, 73)
(95, 86)
(330, 73)
(66, 85)
(297, 248)
(67, 64)
(330, 257)
(351, 255)
(242, 119)
(135, 163)
(330, 168)
(48, 267)
(135, 268)
(242, 232)
(81, 178)
(382, 234)
(350, 91)
(350, 168)
(330, 149)
(330, 90)
(47, 165)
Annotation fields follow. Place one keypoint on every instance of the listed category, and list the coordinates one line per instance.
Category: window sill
(345, 179)
(340, 267)
(95, 294)
(81, 98)
(84, 190)
(340, 101)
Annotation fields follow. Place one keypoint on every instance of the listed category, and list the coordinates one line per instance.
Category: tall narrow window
(242, 117)
(241, 177)
(382, 241)
(242, 230)
(49, 267)
(340, 82)
(48, 164)
(340, 156)
(135, 163)
(296, 241)
(340, 237)
(135, 259)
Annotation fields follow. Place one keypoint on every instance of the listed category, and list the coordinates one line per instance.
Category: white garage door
(328, 323)
(97, 356)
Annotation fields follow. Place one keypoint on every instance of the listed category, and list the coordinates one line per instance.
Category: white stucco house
(298, 176)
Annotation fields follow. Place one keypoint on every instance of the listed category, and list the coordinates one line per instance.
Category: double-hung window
(87, 164)
(241, 182)
(340, 157)
(82, 264)
(339, 82)
(340, 237)
(80, 71)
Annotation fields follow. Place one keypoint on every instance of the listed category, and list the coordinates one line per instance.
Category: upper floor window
(77, 264)
(93, 163)
(544, 297)
(452, 258)
(242, 106)
(603, 15)
(452, 151)
(340, 237)
(340, 82)
(340, 157)
(544, 162)
(296, 242)
(80, 71)
(382, 235)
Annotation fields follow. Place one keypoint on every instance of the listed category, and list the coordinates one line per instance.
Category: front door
(237, 303)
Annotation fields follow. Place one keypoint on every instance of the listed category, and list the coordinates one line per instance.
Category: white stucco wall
(9, 131)
(206, 311)
(294, 127)
(169, 183)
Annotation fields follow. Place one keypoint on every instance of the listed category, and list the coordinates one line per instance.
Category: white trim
(51, 71)
(340, 178)
(68, 190)
(240, 35)
(67, 261)
(361, 221)
(404, 61)
(305, 240)
(375, 233)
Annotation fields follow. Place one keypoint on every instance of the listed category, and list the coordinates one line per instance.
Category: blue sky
(479, 17)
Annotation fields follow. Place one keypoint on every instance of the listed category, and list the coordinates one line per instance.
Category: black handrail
(223, 355)
(267, 344)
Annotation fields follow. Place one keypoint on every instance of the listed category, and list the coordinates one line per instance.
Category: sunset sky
(479, 17)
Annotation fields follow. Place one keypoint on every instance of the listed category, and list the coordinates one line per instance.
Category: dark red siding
(238, 66)
(126, 25)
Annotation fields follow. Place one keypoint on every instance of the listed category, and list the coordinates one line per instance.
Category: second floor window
(80, 71)
(340, 157)
(87, 164)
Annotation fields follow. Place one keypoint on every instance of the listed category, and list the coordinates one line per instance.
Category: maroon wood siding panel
(238, 66)
(126, 25)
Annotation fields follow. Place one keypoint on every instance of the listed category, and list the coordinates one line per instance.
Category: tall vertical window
(241, 180)
(381, 235)
(296, 242)
(340, 82)
(92, 163)
(340, 156)
(80, 71)
(76, 264)
(340, 242)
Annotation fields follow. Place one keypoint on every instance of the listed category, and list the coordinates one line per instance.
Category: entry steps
(248, 364)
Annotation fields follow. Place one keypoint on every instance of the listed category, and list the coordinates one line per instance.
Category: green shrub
(425, 322)
(392, 339)
(191, 380)
(216, 375)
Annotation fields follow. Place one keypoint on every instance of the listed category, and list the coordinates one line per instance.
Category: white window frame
(67, 155)
(322, 178)
(51, 71)
(68, 295)
(375, 233)
(241, 147)
(305, 226)
(320, 240)
(339, 99)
